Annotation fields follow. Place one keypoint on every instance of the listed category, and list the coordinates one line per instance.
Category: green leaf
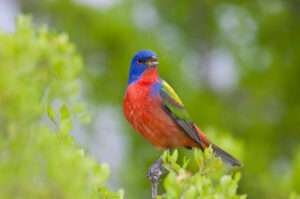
(64, 112)
(51, 113)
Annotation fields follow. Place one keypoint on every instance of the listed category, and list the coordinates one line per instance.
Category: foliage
(211, 178)
(38, 74)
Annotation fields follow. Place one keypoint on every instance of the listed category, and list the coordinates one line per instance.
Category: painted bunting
(157, 113)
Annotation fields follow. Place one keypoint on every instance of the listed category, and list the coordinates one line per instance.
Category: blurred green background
(236, 65)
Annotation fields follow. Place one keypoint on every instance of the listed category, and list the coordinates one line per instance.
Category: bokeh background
(236, 65)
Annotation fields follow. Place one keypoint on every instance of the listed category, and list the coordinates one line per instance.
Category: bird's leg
(154, 173)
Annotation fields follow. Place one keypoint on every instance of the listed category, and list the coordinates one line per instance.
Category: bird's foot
(154, 174)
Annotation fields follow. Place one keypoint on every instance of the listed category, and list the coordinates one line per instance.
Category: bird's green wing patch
(169, 95)
(174, 107)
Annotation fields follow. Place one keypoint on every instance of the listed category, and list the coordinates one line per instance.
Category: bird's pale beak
(152, 62)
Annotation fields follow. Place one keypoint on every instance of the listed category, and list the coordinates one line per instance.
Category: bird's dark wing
(174, 107)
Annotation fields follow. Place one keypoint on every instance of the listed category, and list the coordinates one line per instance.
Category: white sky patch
(109, 143)
(190, 67)
(238, 29)
(9, 9)
(105, 140)
(145, 15)
(101, 4)
(236, 24)
(222, 73)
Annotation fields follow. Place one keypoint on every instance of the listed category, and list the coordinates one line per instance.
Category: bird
(156, 112)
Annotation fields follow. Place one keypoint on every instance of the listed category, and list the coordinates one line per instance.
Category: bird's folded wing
(174, 107)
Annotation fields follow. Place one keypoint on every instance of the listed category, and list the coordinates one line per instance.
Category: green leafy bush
(38, 158)
(210, 179)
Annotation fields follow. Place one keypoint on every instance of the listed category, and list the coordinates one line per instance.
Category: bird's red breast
(144, 111)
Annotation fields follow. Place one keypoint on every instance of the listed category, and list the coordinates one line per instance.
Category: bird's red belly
(149, 119)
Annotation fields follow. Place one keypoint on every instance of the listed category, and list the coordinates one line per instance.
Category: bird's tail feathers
(226, 157)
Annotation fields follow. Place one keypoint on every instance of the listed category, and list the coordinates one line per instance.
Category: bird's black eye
(140, 61)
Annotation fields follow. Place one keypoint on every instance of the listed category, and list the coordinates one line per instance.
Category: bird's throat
(150, 75)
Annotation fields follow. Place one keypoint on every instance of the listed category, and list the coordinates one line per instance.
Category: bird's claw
(155, 171)
(154, 174)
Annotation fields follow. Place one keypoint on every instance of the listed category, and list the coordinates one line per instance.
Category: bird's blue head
(141, 61)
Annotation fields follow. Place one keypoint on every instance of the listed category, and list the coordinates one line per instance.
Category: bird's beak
(152, 62)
